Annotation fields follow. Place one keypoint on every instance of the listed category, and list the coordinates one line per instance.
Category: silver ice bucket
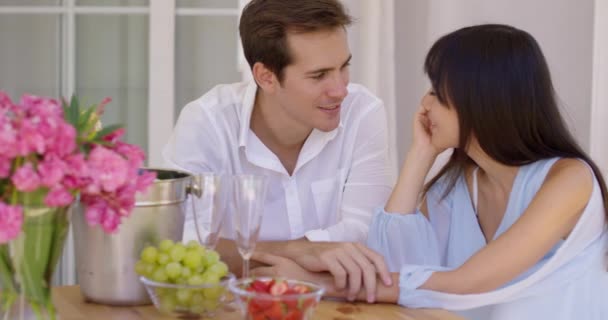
(105, 263)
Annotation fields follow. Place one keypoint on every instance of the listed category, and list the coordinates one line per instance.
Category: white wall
(563, 28)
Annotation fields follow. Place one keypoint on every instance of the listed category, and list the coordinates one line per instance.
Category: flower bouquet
(52, 154)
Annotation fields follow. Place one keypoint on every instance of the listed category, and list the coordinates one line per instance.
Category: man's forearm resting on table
(230, 255)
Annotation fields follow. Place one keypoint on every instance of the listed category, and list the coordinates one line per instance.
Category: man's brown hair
(265, 23)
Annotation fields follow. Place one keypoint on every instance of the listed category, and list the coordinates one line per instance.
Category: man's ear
(264, 77)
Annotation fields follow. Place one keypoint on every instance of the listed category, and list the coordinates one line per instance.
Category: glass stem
(245, 268)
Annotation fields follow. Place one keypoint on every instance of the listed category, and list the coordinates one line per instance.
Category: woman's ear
(264, 77)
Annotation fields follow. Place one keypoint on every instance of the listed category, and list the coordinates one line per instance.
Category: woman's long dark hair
(497, 79)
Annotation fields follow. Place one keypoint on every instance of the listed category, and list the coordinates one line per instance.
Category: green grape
(149, 270)
(197, 298)
(181, 280)
(210, 258)
(160, 275)
(213, 293)
(140, 268)
(149, 254)
(178, 252)
(197, 309)
(210, 305)
(192, 245)
(165, 245)
(186, 272)
(173, 270)
(163, 259)
(210, 278)
(196, 280)
(220, 269)
(167, 303)
(193, 259)
(183, 296)
(201, 250)
(163, 291)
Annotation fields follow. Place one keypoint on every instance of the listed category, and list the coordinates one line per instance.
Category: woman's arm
(551, 216)
(418, 162)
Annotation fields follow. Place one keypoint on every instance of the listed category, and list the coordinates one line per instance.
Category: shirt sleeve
(403, 239)
(368, 181)
(194, 148)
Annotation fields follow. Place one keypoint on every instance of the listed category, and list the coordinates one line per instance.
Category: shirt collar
(247, 105)
(245, 123)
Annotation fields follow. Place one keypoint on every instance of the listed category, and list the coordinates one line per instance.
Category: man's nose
(338, 88)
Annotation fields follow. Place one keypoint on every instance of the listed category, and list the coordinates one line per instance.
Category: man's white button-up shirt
(339, 178)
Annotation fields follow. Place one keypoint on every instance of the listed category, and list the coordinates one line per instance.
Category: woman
(514, 225)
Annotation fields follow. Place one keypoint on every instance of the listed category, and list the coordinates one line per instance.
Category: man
(321, 142)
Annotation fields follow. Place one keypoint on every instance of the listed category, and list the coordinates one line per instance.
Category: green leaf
(107, 130)
(84, 120)
(6, 270)
(74, 111)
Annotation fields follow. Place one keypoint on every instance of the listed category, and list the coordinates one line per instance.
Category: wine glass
(209, 199)
(249, 197)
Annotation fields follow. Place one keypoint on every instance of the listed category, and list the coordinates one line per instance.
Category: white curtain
(372, 43)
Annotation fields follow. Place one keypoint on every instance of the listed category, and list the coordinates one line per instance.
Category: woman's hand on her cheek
(422, 134)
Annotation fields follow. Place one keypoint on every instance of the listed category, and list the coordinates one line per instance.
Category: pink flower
(98, 212)
(30, 140)
(63, 158)
(133, 153)
(58, 197)
(11, 218)
(51, 171)
(110, 221)
(41, 106)
(5, 167)
(25, 178)
(144, 180)
(108, 169)
(5, 101)
(8, 138)
(114, 136)
(63, 141)
(93, 213)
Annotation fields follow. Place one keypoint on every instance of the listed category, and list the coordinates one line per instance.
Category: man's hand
(352, 265)
(276, 266)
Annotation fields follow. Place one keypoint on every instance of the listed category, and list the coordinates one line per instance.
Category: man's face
(314, 84)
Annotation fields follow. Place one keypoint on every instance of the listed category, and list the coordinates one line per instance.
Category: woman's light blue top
(569, 282)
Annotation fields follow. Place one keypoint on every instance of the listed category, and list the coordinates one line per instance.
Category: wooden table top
(71, 306)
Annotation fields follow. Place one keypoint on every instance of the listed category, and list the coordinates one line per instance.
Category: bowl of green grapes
(184, 281)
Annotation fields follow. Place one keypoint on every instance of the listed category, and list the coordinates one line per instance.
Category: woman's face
(443, 126)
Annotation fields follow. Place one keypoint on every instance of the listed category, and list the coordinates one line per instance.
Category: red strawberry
(300, 288)
(294, 315)
(261, 286)
(291, 304)
(278, 288)
(275, 312)
(256, 305)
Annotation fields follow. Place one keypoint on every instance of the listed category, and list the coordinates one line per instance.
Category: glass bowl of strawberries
(276, 298)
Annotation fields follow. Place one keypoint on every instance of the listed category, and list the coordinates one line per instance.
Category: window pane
(112, 61)
(232, 4)
(30, 55)
(30, 2)
(113, 3)
(205, 55)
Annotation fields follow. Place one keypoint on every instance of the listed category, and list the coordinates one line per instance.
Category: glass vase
(27, 263)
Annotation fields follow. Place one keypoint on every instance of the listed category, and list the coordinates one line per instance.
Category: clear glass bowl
(288, 306)
(185, 301)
